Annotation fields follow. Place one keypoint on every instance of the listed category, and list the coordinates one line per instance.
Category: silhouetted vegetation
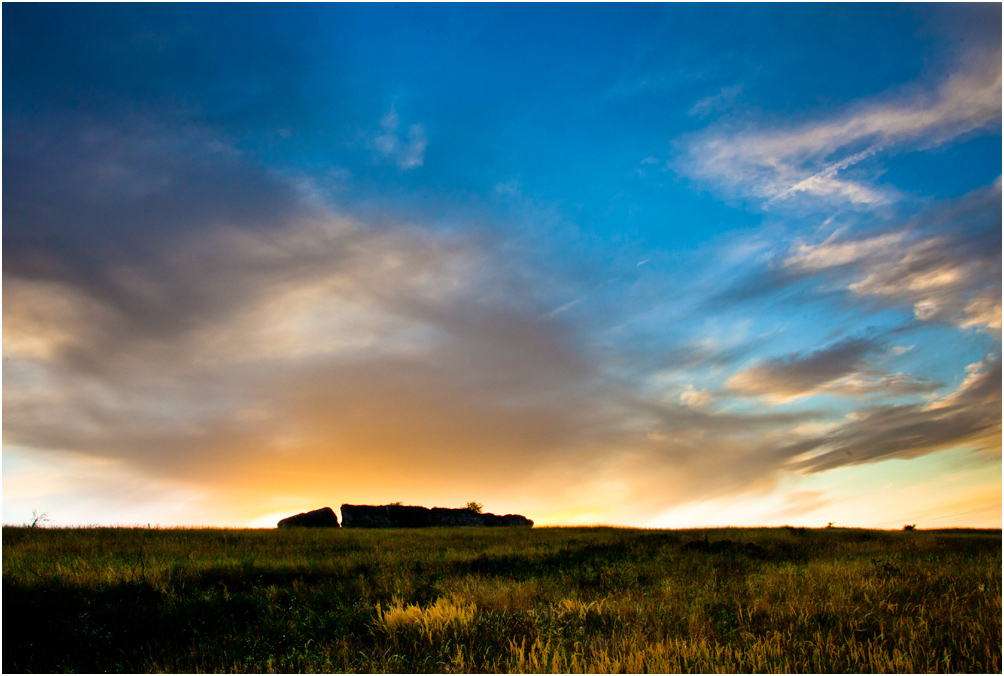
(501, 600)
(37, 519)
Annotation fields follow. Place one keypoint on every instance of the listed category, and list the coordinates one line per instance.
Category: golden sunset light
(649, 281)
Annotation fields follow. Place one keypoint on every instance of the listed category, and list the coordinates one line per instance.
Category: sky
(651, 265)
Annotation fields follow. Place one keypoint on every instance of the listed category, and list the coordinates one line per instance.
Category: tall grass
(501, 600)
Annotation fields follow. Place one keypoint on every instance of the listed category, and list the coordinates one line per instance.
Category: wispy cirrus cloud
(813, 159)
(949, 272)
(840, 369)
(983, 311)
(942, 264)
(406, 150)
(714, 102)
(968, 416)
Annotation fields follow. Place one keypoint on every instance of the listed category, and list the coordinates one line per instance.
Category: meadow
(501, 600)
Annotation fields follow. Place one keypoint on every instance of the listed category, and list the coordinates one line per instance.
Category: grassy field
(501, 600)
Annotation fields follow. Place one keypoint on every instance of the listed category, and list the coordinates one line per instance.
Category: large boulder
(507, 520)
(319, 518)
(444, 516)
(385, 516)
(404, 516)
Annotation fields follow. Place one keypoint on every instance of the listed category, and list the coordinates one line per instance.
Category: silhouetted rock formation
(319, 518)
(401, 516)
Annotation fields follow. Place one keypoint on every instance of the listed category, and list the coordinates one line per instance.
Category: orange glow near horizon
(633, 281)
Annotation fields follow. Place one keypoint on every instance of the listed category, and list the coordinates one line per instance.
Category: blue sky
(651, 265)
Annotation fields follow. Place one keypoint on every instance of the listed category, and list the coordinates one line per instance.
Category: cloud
(406, 151)
(331, 358)
(696, 398)
(968, 417)
(174, 307)
(814, 159)
(328, 345)
(801, 374)
(941, 264)
(312, 355)
(192, 318)
(198, 327)
(90, 193)
(872, 381)
(714, 102)
(836, 370)
(983, 311)
(941, 273)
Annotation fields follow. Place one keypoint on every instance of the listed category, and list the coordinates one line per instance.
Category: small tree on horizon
(474, 506)
(38, 519)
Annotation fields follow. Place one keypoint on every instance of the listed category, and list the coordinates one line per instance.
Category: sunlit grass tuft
(443, 613)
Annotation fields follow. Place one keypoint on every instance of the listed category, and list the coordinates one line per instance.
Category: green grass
(501, 600)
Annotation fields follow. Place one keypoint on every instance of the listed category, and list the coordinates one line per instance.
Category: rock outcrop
(402, 516)
(319, 518)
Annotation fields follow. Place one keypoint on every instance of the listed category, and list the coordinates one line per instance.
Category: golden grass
(436, 617)
(481, 600)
